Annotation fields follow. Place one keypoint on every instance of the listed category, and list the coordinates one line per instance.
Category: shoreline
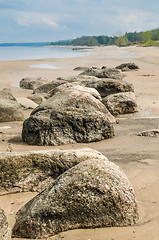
(137, 156)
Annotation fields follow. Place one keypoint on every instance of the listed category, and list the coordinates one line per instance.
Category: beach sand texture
(137, 156)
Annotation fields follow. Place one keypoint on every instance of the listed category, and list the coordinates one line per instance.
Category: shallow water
(26, 53)
(45, 66)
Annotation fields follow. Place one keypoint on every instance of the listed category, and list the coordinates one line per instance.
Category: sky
(52, 20)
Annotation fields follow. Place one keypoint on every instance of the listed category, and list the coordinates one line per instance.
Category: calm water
(24, 53)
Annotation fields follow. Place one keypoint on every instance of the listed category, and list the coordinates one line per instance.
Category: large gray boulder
(109, 86)
(5, 233)
(69, 116)
(32, 83)
(121, 103)
(10, 111)
(34, 170)
(94, 193)
(75, 86)
(103, 73)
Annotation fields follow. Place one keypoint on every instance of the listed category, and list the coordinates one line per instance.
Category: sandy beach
(137, 156)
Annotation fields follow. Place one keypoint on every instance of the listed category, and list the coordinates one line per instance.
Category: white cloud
(126, 19)
(41, 20)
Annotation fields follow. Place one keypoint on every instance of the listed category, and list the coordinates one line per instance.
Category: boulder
(26, 103)
(121, 103)
(127, 67)
(94, 193)
(32, 83)
(150, 133)
(37, 98)
(103, 73)
(5, 233)
(34, 170)
(6, 93)
(78, 78)
(45, 88)
(80, 68)
(108, 86)
(69, 116)
(10, 111)
(75, 86)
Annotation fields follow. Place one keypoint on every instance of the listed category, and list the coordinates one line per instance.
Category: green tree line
(146, 38)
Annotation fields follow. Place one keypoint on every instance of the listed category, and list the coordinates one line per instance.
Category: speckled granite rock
(5, 233)
(94, 193)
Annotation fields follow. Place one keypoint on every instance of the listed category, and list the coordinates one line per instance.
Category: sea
(28, 51)
(41, 50)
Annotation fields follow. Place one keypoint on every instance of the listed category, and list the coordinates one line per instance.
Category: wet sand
(137, 156)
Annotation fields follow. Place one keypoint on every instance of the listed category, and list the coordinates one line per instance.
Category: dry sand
(137, 156)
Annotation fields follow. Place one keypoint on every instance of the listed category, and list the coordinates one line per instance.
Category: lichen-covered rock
(32, 83)
(10, 111)
(94, 193)
(109, 86)
(103, 73)
(5, 233)
(69, 116)
(75, 86)
(127, 67)
(121, 103)
(34, 170)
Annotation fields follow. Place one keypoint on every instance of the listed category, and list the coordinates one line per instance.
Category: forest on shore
(147, 38)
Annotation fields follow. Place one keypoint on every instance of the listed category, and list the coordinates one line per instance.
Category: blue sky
(51, 20)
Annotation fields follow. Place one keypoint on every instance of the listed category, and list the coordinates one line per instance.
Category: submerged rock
(121, 103)
(5, 233)
(69, 116)
(94, 193)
